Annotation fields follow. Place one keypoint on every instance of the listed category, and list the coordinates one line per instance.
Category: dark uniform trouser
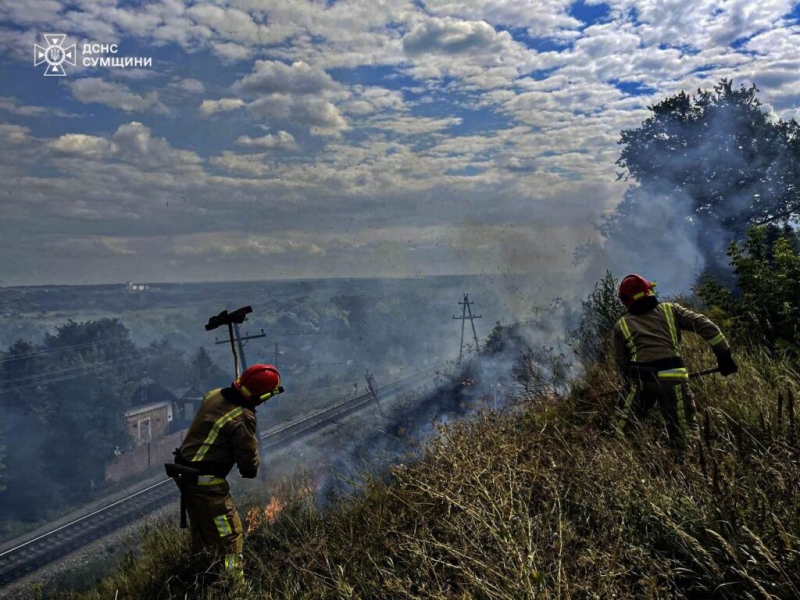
(675, 400)
(215, 524)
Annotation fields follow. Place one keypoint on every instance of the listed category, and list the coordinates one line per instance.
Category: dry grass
(542, 503)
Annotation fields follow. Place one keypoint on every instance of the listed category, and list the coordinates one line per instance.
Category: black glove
(726, 364)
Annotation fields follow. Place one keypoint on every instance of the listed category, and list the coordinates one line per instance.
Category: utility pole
(466, 313)
(240, 342)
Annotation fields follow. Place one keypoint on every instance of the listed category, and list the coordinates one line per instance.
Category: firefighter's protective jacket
(654, 337)
(223, 433)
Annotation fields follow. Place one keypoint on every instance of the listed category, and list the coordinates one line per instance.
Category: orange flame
(254, 519)
(257, 517)
(272, 510)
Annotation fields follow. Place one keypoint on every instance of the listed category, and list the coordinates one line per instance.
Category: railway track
(33, 554)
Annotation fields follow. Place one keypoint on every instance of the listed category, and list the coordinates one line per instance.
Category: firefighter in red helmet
(223, 433)
(647, 350)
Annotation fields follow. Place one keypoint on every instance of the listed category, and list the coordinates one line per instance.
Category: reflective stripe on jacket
(221, 434)
(656, 335)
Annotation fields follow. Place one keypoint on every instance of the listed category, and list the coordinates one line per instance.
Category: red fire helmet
(634, 287)
(257, 382)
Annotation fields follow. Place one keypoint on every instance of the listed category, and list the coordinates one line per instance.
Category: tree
(205, 373)
(599, 313)
(91, 424)
(164, 363)
(19, 368)
(766, 306)
(63, 413)
(717, 160)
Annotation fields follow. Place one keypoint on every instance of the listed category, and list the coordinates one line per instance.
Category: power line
(241, 342)
(116, 359)
(46, 378)
(319, 364)
(50, 350)
(333, 332)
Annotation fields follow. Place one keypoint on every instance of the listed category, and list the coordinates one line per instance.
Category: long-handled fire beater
(691, 376)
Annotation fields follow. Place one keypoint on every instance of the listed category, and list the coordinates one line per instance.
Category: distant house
(149, 391)
(149, 422)
(188, 400)
(152, 411)
(156, 422)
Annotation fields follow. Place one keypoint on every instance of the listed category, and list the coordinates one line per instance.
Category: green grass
(540, 502)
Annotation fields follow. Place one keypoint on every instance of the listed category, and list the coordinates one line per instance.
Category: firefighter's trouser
(214, 523)
(675, 400)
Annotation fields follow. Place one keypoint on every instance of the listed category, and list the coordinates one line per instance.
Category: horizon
(287, 279)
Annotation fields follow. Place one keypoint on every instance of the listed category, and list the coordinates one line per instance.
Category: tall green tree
(766, 306)
(718, 160)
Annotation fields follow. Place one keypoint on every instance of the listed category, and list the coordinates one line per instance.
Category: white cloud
(237, 245)
(706, 23)
(450, 36)
(97, 245)
(87, 146)
(14, 134)
(544, 18)
(209, 107)
(15, 107)
(303, 110)
(95, 90)
(132, 143)
(255, 165)
(191, 86)
(410, 125)
(283, 140)
(231, 52)
(297, 93)
(474, 53)
(271, 77)
(367, 100)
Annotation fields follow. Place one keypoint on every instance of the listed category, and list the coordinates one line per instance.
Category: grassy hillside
(539, 502)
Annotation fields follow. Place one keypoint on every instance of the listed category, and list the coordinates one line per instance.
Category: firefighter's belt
(657, 370)
(184, 477)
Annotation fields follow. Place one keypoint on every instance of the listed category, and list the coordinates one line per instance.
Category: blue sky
(274, 139)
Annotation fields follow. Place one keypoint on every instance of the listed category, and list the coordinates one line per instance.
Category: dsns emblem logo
(55, 55)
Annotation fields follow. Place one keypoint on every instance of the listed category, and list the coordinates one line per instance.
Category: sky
(271, 139)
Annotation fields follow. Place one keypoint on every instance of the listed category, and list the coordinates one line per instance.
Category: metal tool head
(225, 318)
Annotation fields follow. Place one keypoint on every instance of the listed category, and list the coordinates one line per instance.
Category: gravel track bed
(117, 542)
(83, 511)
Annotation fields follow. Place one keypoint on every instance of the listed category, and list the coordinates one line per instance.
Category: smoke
(654, 236)
(703, 177)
